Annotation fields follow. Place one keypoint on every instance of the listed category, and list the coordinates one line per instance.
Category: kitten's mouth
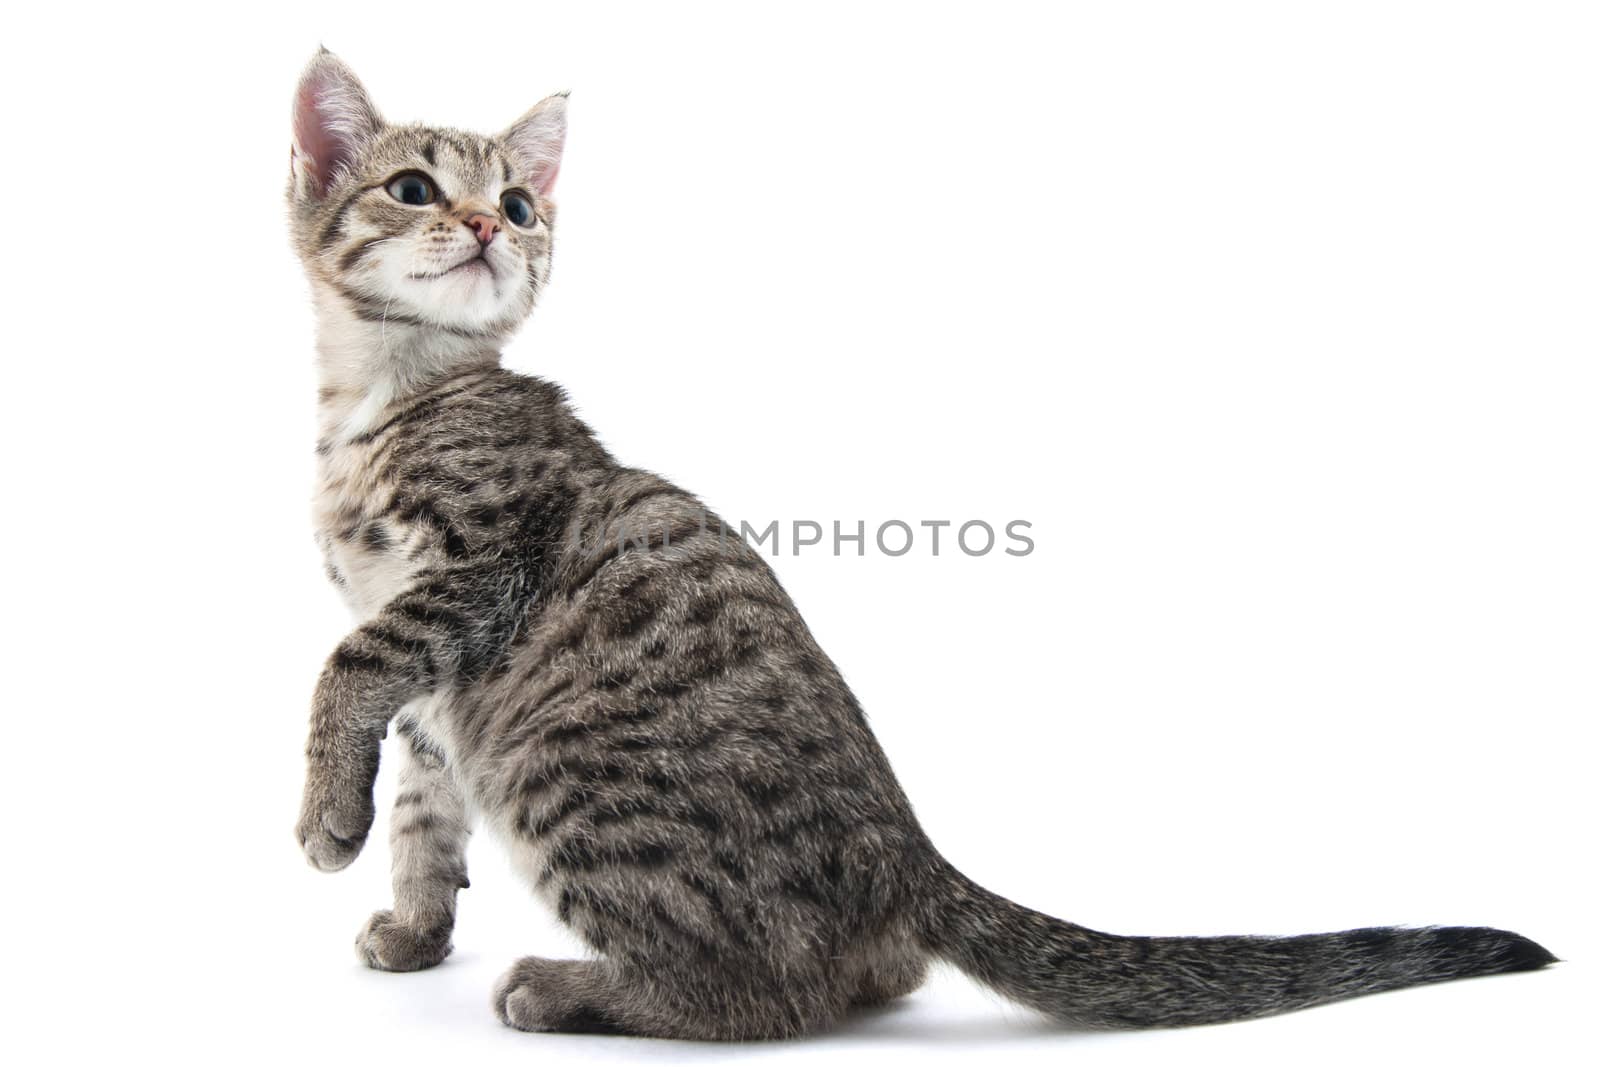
(471, 264)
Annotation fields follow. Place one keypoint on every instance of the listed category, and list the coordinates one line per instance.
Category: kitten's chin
(470, 296)
(455, 288)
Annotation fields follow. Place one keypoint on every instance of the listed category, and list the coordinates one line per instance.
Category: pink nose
(484, 226)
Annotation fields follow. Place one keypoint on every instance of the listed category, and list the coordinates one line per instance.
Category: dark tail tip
(1489, 951)
(1525, 955)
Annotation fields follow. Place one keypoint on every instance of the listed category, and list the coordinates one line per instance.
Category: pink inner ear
(315, 135)
(536, 140)
(544, 181)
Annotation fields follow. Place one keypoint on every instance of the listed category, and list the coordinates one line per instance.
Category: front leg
(428, 839)
(444, 630)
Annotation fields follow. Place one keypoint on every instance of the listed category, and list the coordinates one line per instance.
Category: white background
(1277, 321)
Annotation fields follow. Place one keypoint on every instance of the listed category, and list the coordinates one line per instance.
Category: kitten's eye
(414, 189)
(519, 209)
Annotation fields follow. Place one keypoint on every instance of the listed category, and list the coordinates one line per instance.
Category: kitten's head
(416, 225)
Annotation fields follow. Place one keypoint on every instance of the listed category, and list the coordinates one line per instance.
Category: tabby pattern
(581, 656)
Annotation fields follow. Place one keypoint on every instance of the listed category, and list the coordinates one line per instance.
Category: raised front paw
(388, 944)
(334, 824)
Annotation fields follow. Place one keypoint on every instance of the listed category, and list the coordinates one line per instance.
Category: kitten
(642, 718)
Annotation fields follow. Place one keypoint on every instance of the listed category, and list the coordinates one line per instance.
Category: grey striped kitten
(577, 654)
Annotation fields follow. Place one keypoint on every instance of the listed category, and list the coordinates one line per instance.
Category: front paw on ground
(388, 944)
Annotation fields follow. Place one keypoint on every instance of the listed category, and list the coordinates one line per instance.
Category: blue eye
(519, 209)
(412, 188)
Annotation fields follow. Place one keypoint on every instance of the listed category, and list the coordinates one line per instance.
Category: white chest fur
(370, 553)
(366, 373)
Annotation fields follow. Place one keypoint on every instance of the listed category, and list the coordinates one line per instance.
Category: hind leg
(594, 997)
(598, 997)
(883, 978)
(428, 840)
(564, 997)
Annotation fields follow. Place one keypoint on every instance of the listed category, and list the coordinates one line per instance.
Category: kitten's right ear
(536, 141)
(333, 121)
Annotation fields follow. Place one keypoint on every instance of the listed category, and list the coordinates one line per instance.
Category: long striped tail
(1091, 979)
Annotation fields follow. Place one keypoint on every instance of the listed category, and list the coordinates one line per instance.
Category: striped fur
(622, 691)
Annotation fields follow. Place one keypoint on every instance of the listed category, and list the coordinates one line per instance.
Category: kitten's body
(579, 652)
(671, 760)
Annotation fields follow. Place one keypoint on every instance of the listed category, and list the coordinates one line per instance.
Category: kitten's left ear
(536, 140)
(333, 121)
